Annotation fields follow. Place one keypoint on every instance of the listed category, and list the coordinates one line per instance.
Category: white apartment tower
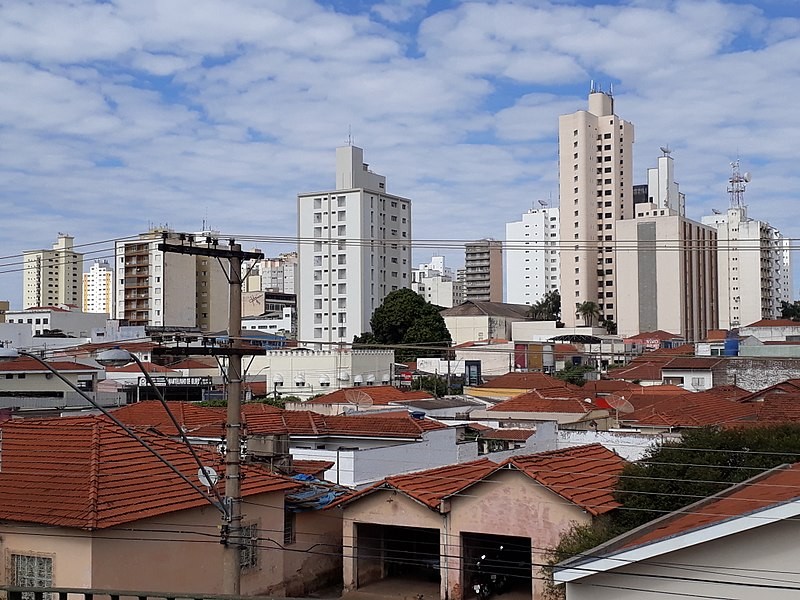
(355, 248)
(98, 289)
(596, 191)
(666, 264)
(532, 256)
(52, 277)
(166, 289)
(434, 282)
(755, 273)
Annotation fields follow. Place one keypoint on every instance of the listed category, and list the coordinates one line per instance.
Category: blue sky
(118, 115)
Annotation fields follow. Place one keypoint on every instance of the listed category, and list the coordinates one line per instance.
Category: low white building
(434, 282)
(65, 318)
(306, 373)
(474, 320)
(279, 323)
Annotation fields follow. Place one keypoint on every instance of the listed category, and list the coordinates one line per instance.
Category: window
(248, 547)
(31, 571)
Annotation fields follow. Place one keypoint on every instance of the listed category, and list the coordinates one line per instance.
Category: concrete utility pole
(232, 520)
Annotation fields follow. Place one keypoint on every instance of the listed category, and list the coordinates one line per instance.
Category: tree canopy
(589, 311)
(406, 318)
(548, 308)
(790, 310)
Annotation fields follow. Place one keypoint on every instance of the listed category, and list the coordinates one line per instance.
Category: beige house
(739, 544)
(432, 526)
(84, 505)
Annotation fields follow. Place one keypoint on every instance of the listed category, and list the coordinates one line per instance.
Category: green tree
(609, 325)
(548, 308)
(573, 373)
(406, 318)
(790, 310)
(589, 311)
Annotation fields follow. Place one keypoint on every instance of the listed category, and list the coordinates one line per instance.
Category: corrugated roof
(584, 475)
(87, 473)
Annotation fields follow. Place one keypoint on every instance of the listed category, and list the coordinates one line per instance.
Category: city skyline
(114, 120)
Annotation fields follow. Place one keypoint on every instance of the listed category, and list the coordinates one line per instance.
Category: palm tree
(589, 311)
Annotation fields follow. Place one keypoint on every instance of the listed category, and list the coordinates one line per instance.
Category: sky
(116, 116)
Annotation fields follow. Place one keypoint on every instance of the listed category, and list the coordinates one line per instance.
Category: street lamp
(7, 354)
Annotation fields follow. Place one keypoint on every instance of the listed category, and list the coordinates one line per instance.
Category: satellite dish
(358, 398)
(619, 403)
(747, 176)
(207, 476)
(716, 212)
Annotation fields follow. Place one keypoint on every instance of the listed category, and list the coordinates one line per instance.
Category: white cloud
(116, 115)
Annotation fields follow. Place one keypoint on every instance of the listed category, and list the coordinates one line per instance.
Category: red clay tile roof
(716, 335)
(603, 386)
(774, 323)
(504, 433)
(84, 349)
(537, 402)
(311, 467)
(192, 363)
(524, 381)
(87, 473)
(776, 486)
(197, 421)
(28, 365)
(788, 386)
(780, 408)
(309, 423)
(489, 342)
(380, 394)
(692, 363)
(584, 475)
(711, 407)
(658, 334)
(641, 371)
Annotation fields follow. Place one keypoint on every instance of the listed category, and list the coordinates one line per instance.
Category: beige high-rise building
(169, 289)
(483, 271)
(666, 264)
(53, 277)
(98, 289)
(596, 191)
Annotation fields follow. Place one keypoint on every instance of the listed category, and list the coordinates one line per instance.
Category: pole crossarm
(214, 251)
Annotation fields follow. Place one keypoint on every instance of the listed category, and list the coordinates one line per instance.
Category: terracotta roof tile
(505, 433)
(780, 408)
(711, 407)
(658, 334)
(584, 475)
(546, 401)
(104, 477)
(768, 489)
(197, 421)
(692, 363)
(380, 394)
(602, 386)
(311, 467)
(774, 323)
(523, 381)
(28, 365)
(134, 368)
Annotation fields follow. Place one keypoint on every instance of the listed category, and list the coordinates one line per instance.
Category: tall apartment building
(434, 281)
(460, 287)
(755, 273)
(666, 264)
(271, 274)
(168, 289)
(53, 277)
(483, 267)
(532, 256)
(596, 191)
(355, 248)
(98, 289)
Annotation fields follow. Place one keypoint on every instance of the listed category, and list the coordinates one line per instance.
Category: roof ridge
(94, 475)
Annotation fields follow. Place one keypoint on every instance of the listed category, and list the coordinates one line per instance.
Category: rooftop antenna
(544, 203)
(665, 150)
(349, 135)
(737, 183)
(591, 87)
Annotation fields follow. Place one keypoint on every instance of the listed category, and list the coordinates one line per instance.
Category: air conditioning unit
(267, 446)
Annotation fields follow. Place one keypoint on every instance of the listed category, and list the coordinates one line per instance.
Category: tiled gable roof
(658, 334)
(689, 409)
(780, 408)
(584, 475)
(196, 421)
(604, 386)
(692, 363)
(380, 394)
(87, 473)
(28, 365)
(505, 433)
(524, 381)
(541, 401)
(774, 323)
